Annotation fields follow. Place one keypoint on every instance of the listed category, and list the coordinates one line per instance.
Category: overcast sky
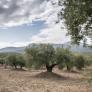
(30, 21)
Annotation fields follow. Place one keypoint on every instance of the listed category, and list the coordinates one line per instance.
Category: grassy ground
(41, 81)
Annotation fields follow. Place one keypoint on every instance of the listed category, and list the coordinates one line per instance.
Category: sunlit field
(41, 81)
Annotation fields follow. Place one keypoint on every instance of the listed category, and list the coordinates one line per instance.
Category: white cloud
(52, 34)
(18, 12)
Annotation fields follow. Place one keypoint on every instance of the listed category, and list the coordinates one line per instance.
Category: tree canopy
(41, 55)
(78, 18)
(45, 55)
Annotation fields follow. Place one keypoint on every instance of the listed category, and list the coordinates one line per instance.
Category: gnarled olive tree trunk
(50, 67)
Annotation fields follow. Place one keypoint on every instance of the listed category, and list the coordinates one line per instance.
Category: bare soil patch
(41, 81)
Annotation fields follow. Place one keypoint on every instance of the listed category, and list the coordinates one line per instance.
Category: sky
(30, 21)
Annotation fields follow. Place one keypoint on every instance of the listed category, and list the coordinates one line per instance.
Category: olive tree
(42, 55)
(2, 61)
(45, 55)
(64, 59)
(79, 62)
(20, 61)
(15, 60)
(11, 60)
(78, 18)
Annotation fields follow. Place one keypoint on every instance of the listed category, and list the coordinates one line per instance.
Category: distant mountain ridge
(74, 48)
(12, 49)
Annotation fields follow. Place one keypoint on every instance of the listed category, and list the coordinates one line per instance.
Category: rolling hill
(12, 49)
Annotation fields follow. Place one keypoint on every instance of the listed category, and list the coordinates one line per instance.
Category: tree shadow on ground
(51, 75)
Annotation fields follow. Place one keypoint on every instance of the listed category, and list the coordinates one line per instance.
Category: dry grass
(41, 81)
